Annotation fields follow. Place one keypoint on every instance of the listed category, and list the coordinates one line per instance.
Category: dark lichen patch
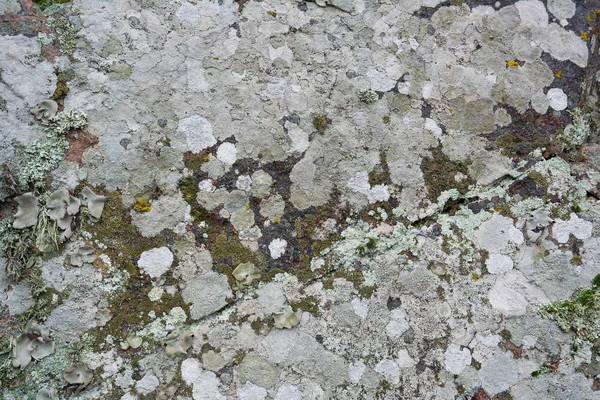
(441, 174)
(533, 185)
(355, 277)
(528, 132)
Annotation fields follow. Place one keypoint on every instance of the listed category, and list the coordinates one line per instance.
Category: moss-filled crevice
(441, 174)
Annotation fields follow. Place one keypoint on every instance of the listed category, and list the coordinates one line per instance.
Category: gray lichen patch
(340, 199)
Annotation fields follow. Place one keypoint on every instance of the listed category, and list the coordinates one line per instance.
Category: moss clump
(61, 90)
(142, 206)
(194, 161)
(355, 277)
(226, 270)
(440, 174)
(262, 326)
(505, 334)
(309, 304)
(124, 245)
(580, 314)
(321, 122)
(43, 4)
(228, 250)
(381, 173)
(116, 231)
(189, 188)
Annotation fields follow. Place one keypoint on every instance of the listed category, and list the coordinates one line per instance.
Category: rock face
(329, 199)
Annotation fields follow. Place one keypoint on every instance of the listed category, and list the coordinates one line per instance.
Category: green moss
(382, 389)
(596, 282)
(189, 188)
(43, 4)
(262, 326)
(62, 89)
(228, 250)
(505, 334)
(321, 122)
(117, 232)
(226, 270)
(440, 173)
(441, 293)
(381, 172)
(268, 277)
(309, 304)
(193, 161)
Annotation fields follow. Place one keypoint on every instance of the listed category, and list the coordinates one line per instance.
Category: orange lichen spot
(584, 36)
(512, 64)
(142, 206)
(558, 74)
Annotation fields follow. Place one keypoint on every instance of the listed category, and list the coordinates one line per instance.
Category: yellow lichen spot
(188, 196)
(206, 158)
(512, 64)
(584, 36)
(217, 58)
(558, 74)
(247, 207)
(276, 220)
(272, 13)
(142, 206)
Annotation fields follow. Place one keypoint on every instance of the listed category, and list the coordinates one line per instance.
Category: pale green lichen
(66, 34)
(42, 156)
(577, 132)
(580, 314)
(16, 246)
(465, 220)
(368, 96)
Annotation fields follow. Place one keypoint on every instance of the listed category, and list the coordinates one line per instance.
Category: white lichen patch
(156, 262)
